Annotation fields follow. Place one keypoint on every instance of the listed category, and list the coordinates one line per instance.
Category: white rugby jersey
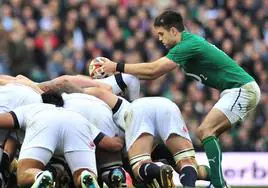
(14, 95)
(95, 110)
(89, 106)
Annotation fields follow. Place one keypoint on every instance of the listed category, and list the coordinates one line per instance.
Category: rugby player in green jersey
(211, 66)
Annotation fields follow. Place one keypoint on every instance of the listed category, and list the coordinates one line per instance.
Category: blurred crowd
(43, 39)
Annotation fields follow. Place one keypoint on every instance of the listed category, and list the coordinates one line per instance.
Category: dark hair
(169, 19)
(53, 97)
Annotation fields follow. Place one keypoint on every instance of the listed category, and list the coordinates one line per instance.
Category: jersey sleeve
(182, 52)
(18, 117)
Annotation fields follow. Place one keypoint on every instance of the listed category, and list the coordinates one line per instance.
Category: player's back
(95, 110)
(15, 95)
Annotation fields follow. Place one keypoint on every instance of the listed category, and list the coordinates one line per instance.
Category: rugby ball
(92, 69)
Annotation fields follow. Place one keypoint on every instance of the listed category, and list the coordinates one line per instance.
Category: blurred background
(43, 39)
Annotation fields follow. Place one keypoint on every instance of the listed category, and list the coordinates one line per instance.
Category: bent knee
(204, 132)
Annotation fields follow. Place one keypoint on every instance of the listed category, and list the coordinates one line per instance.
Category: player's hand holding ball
(100, 67)
(95, 68)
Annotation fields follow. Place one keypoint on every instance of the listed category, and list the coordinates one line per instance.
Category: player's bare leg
(108, 166)
(30, 172)
(213, 125)
(186, 165)
(4, 158)
(10, 148)
(142, 166)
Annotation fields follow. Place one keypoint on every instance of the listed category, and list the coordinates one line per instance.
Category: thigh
(137, 124)
(215, 123)
(42, 136)
(76, 138)
(236, 103)
(170, 121)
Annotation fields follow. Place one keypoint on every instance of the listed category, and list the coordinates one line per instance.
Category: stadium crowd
(43, 39)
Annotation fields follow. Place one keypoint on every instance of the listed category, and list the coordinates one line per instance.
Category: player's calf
(150, 173)
(186, 166)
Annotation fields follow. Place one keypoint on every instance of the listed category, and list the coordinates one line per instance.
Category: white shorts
(76, 160)
(237, 102)
(61, 130)
(154, 115)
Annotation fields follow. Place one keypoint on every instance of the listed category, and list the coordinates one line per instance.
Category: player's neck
(179, 37)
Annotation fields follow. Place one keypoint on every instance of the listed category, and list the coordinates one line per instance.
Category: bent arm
(109, 98)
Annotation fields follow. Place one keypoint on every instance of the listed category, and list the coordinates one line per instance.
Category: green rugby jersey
(208, 64)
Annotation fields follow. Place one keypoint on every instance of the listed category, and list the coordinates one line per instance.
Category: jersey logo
(204, 77)
(91, 144)
(185, 129)
(212, 160)
(197, 78)
(194, 76)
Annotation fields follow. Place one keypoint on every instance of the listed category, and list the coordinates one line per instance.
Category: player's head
(52, 97)
(169, 26)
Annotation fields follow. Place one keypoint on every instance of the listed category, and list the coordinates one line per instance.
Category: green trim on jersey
(208, 64)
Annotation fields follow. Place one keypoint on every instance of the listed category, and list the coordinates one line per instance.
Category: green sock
(214, 155)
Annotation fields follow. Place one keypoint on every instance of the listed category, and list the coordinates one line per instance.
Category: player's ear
(173, 30)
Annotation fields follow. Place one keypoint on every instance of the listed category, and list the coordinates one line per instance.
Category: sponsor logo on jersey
(91, 144)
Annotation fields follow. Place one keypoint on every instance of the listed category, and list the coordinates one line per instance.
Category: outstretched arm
(20, 79)
(7, 77)
(61, 86)
(146, 71)
(83, 81)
